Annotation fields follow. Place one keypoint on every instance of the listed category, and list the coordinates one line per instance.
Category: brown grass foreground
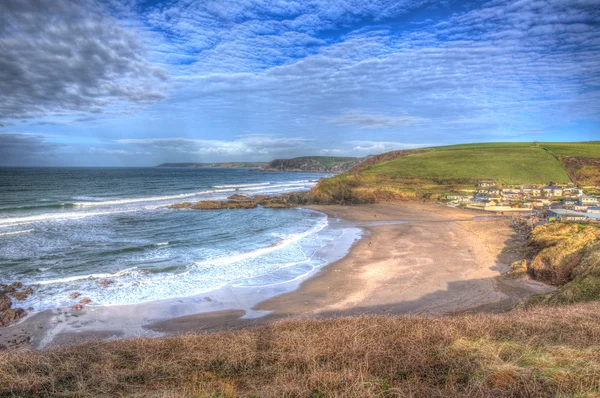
(540, 352)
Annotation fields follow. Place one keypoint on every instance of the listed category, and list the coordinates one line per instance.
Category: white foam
(148, 199)
(216, 189)
(291, 239)
(242, 185)
(16, 232)
(83, 277)
(56, 216)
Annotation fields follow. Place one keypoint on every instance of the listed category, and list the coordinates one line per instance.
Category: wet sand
(414, 258)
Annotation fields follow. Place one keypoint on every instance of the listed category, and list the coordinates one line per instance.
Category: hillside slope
(580, 159)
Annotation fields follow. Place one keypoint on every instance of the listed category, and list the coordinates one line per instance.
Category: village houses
(555, 203)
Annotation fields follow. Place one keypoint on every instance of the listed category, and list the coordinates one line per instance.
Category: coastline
(414, 258)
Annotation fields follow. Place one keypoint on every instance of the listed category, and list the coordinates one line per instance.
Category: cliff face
(568, 256)
(318, 164)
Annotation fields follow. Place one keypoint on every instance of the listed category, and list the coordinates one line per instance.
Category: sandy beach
(413, 258)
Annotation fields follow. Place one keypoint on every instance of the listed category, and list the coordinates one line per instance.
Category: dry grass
(541, 352)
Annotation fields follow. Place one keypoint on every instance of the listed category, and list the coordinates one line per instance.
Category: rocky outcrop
(181, 205)
(5, 302)
(217, 205)
(283, 201)
(560, 248)
(567, 256)
(239, 197)
(8, 314)
(11, 315)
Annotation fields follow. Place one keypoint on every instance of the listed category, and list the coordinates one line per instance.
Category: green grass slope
(574, 149)
(580, 159)
(507, 164)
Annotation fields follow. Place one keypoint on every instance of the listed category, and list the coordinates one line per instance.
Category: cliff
(318, 164)
(568, 256)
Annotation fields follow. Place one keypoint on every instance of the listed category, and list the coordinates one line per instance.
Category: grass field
(540, 352)
(507, 164)
(484, 145)
(579, 149)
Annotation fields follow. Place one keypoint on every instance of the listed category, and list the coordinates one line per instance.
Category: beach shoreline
(413, 258)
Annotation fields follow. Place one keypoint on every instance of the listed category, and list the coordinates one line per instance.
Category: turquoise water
(67, 230)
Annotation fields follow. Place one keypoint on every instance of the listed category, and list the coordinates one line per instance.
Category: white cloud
(256, 145)
(374, 121)
(377, 147)
(116, 152)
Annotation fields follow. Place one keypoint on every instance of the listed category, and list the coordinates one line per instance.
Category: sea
(66, 230)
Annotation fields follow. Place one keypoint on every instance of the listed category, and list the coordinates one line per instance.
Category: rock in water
(5, 302)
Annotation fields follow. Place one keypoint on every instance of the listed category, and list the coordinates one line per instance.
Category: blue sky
(137, 83)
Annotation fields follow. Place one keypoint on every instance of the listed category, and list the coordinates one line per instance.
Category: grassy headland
(432, 172)
(506, 165)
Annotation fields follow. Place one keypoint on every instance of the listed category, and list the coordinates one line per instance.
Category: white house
(587, 200)
(552, 190)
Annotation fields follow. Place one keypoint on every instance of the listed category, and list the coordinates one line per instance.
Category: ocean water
(65, 230)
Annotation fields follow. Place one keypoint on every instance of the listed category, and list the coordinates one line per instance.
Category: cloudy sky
(137, 83)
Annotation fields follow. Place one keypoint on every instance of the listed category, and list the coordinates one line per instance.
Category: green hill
(506, 165)
(435, 171)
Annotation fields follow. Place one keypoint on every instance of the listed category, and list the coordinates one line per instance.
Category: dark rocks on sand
(238, 197)
(19, 295)
(11, 315)
(181, 205)
(216, 205)
(4, 288)
(276, 204)
(5, 302)
(260, 198)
